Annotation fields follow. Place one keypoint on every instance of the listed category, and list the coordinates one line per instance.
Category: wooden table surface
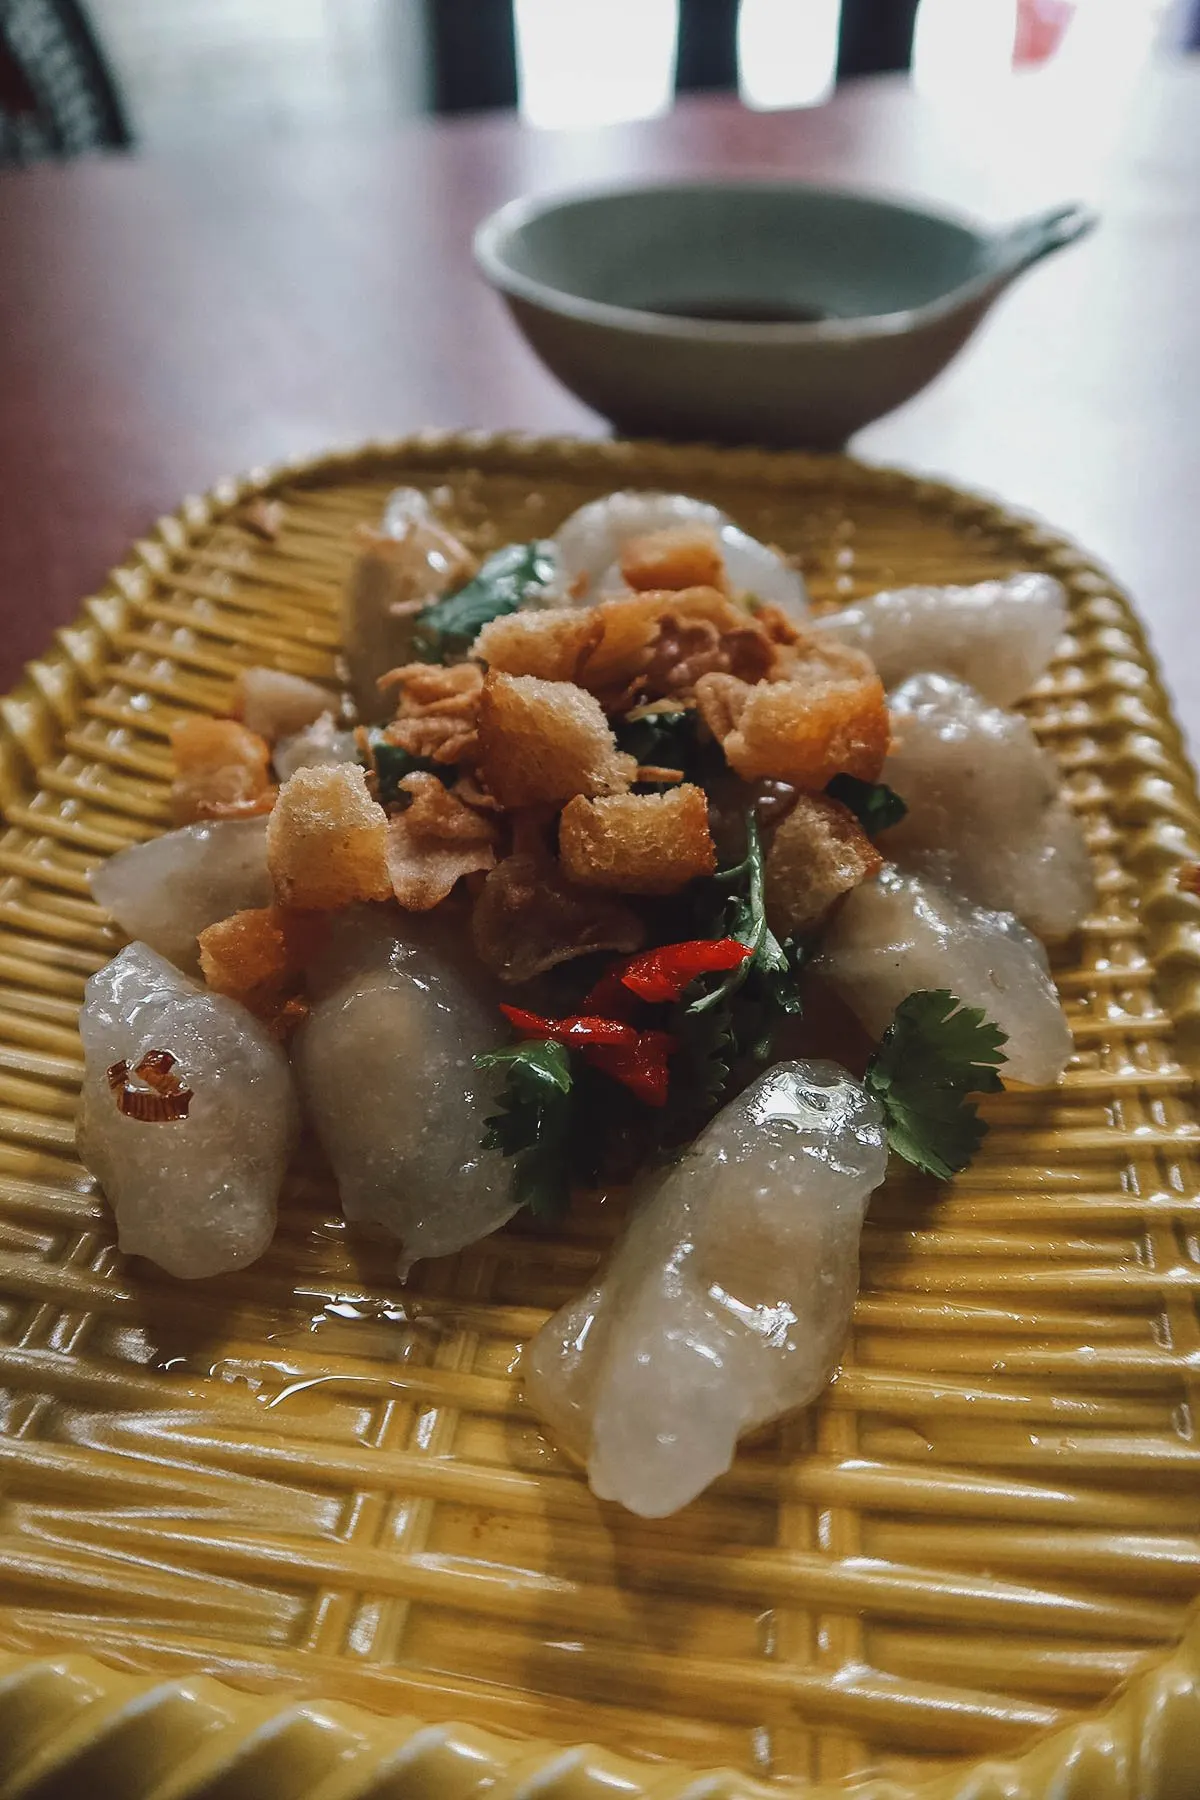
(163, 322)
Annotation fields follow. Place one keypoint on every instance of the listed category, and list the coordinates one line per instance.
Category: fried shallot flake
(435, 842)
(638, 843)
(1187, 878)
(828, 716)
(528, 918)
(259, 956)
(545, 741)
(819, 852)
(222, 770)
(327, 840)
(438, 710)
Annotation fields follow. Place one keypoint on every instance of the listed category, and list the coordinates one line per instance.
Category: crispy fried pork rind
(638, 843)
(435, 842)
(683, 556)
(541, 742)
(827, 716)
(628, 630)
(277, 705)
(438, 710)
(259, 957)
(819, 852)
(327, 840)
(222, 770)
(528, 918)
(546, 643)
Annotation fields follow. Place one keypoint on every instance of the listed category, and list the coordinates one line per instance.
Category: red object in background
(1041, 28)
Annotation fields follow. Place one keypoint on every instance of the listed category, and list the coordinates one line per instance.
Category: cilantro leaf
(534, 1122)
(745, 918)
(391, 764)
(934, 1053)
(502, 585)
(873, 803)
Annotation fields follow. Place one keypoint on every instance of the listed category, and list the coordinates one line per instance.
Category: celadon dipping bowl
(751, 311)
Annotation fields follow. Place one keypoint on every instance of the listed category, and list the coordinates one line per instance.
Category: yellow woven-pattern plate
(309, 1482)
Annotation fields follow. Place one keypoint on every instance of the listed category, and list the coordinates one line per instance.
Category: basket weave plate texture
(325, 1491)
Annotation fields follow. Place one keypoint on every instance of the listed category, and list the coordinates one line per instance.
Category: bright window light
(958, 44)
(787, 51)
(595, 62)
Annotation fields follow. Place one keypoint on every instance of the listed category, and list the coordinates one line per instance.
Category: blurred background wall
(187, 72)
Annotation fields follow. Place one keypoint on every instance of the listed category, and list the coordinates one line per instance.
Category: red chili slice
(663, 974)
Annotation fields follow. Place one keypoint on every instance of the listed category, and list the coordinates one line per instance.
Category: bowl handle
(1026, 243)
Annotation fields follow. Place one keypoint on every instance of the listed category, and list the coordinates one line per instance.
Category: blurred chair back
(57, 96)
(473, 54)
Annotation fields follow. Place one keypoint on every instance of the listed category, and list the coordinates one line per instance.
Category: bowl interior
(765, 252)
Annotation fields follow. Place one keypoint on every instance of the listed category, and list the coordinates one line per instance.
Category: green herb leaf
(391, 764)
(934, 1053)
(670, 738)
(745, 918)
(502, 585)
(873, 803)
(534, 1122)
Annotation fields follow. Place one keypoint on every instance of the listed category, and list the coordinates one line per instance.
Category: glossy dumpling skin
(195, 1195)
(590, 543)
(985, 815)
(167, 891)
(903, 933)
(384, 1064)
(997, 635)
(408, 562)
(728, 1299)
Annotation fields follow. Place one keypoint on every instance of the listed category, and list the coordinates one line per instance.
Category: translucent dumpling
(997, 635)
(901, 933)
(384, 1063)
(590, 542)
(314, 747)
(409, 561)
(196, 1194)
(165, 892)
(985, 815)
(728, 1299)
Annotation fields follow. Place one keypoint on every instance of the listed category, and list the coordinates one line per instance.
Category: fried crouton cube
(220, 766)
(823, 720)
(547, 644)
(819, 852)
(683, 556)
(275, 704)
(327, 840)
(259, 956)
(638, 843)
(542, 742)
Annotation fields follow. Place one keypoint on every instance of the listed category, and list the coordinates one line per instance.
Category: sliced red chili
(663, 974)
(642, 1067)
(637, 1059)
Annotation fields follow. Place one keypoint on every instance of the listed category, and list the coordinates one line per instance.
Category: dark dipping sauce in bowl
(741, 312)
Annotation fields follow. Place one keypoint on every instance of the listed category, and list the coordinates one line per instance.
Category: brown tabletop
(163, 322)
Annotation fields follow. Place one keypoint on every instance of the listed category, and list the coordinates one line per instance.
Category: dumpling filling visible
(727, 1300)
(985, 814)
(997, 635)
(384, 1065)
(903, 934)
(190, 1138)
